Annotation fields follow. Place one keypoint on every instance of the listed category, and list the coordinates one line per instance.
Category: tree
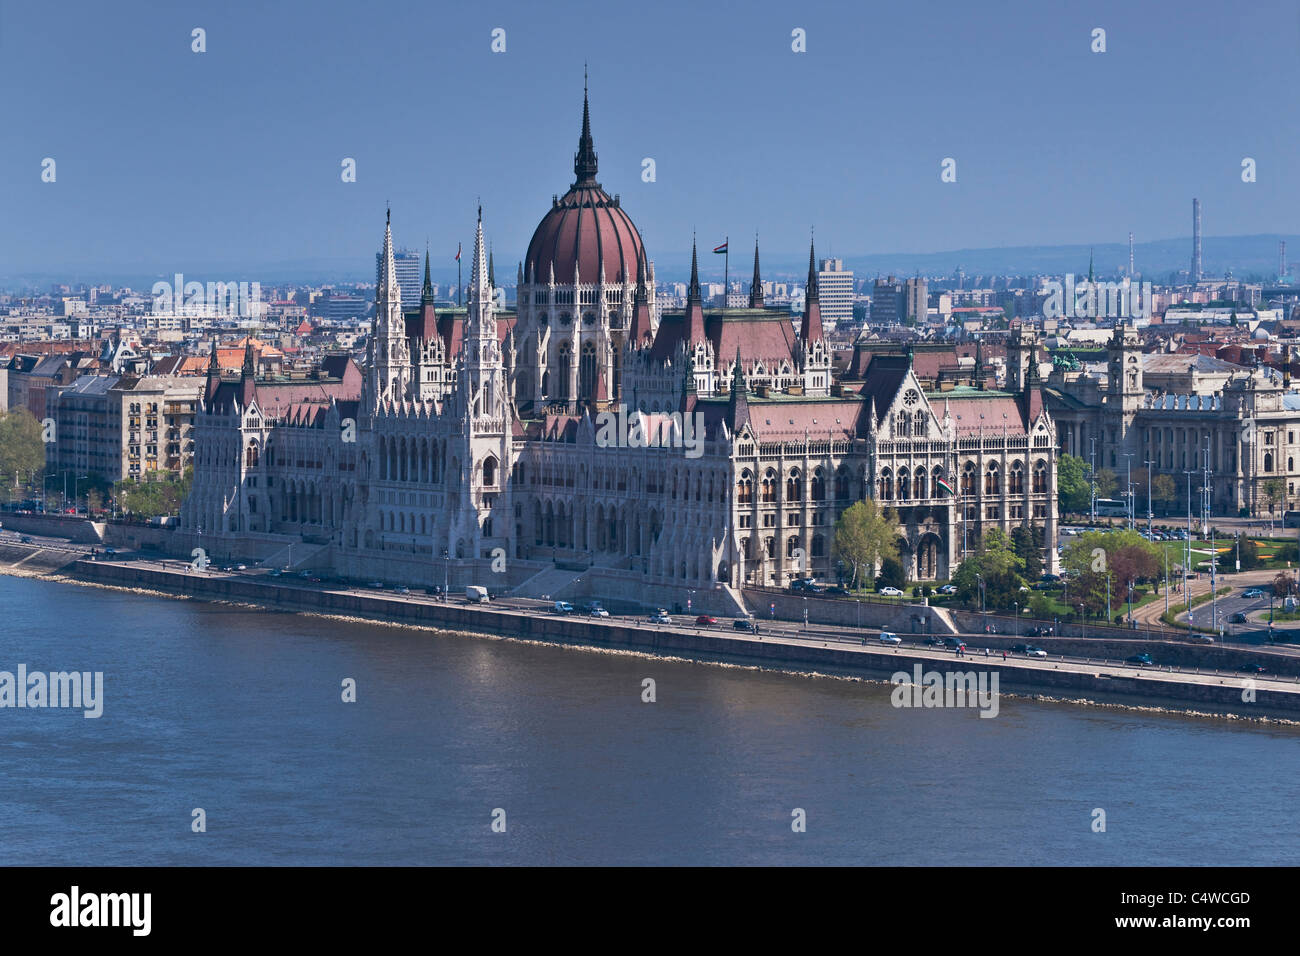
(1024, 541)
(22, 451)
(153, 497)
(1123, 556)
(1072, 489)
(891, 574)
(996, 569)
(1283, 585)
(1106, 482)
(1163, 491)
(864, 537)
(1249, 552)
(1273, 489)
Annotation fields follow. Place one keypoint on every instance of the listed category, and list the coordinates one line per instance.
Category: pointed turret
(492, 271)
(756, 284)
(584, 160)
(247, 375)
(978, 377)
(426, 292)
(249, 368)
(811, 327)
(214, 374)
(694, 303)
(641, 332)
(389, 288)
(737, 403)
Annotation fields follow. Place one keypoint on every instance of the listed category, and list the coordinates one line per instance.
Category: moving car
(1252, 593)
(1143, 659)
(1237, 618)
(934, 642)
(25, 539)
(836, 589)
(745, 624)
(396, 590)
(660, 617)
(477, 594)
(948, 589)
(1201, 639)
(891, 592)
(706, 620)
(598, 612)
(1253, 669)
(562, 607)
(888, 637)
(953, 642)
(1031, 651)
(377, 585)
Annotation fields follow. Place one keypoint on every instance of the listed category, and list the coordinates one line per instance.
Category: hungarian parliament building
(475, 445)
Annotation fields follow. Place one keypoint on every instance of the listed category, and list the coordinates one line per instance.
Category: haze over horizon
(231, 157)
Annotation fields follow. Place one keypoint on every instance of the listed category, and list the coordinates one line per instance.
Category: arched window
(903, 425)
(1040, 477)
(566, 363)
(818, 546)
(490, 471)
(920, 489)
(968, 479)
(769, 487)
(791, 545)
(1268, 461)
(1016, 479)
(587, 371)
(745, 489)
(819, 485)
(904, 484)
(793, 486)
(842, 482)
(919, 425)
(992, 479)
(886, 485)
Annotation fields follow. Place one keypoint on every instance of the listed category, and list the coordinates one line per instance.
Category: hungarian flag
(721, 249)
(945, 486)
(458, 252)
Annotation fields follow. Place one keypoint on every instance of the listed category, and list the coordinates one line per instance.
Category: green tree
(1072, 488)
(153, 497)
(1025, 542)
(1122, 556)
(865, 536)
(1106, 482)
(22, 452)
(891, 574)
(997, 567)
(1274, 489)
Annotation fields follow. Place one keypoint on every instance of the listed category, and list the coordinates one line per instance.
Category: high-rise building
(888, 303)
(1196, 240)
(835, 284)
(410, 275)
(916, 301)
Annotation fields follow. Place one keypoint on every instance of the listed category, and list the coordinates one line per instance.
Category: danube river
(240, 713)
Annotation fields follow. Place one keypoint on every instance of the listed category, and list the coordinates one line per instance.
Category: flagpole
(458, 283)
(726, 268)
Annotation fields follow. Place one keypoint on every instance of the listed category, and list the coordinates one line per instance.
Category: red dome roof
(585, 227)
(589, 228)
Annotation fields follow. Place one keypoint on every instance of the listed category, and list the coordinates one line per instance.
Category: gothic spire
(249, 368)
(812, 292)
(389, 289)
(693, 290)
(492, 272)
(756, 285)
(426, 293)
(811, 326)
(214, 367)
(479, 277)
(584, 161)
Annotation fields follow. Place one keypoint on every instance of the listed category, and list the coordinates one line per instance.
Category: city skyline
(124, 195)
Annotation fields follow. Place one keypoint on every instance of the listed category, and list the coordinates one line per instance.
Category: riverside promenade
(839, 651)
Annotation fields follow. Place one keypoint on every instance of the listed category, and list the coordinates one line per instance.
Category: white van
(476, 594)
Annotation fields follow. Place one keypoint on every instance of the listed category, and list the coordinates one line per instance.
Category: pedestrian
(986, 652)
(1004, 655)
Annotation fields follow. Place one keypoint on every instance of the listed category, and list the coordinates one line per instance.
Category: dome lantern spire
(584, 161)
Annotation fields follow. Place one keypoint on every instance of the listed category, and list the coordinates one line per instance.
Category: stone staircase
(548, 584)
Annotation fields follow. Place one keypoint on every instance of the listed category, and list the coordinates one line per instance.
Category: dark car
(1143, 660)
(1019, 648)
(934, 642)
(1253, 669)
(953, 642)
(836, 589)
(744, 624)
(1237, 618)
(25, 539)
(706, 620)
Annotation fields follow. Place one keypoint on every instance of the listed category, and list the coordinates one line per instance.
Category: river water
(239, 712)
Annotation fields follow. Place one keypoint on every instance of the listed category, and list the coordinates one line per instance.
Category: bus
(1111, 508)
(1291, 519)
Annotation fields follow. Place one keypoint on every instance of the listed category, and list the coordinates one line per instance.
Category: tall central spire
(756, 286)
(584, 161)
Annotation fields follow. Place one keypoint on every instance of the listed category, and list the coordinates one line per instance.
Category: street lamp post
(1150, 512)
(1083, 621)
(446, 575)
(1016, 604)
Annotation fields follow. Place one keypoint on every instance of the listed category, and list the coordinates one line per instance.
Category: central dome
(585, 228)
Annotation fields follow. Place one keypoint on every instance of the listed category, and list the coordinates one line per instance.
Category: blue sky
(168, 160)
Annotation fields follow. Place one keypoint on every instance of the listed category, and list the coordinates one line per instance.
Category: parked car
(888, 637)
(948, 589)
(891, 592)
(745, 624)
(706, 621)
(1252, 593)
(562, 607)
(1142, 659)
